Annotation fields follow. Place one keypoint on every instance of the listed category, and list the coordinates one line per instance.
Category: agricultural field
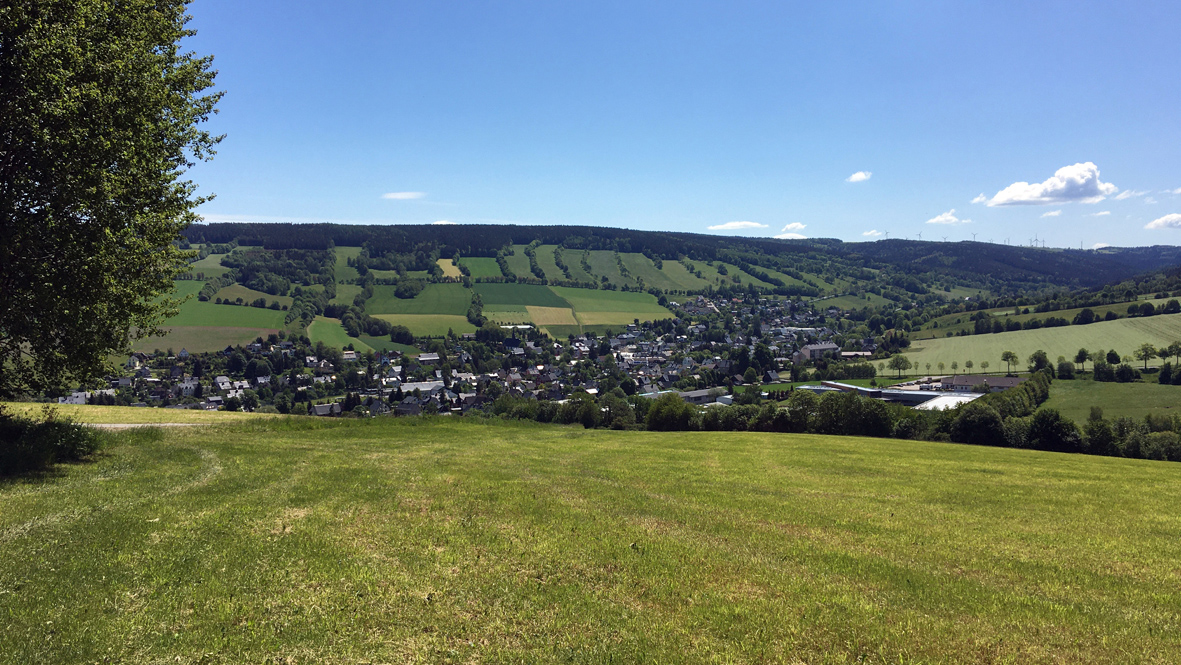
(332, 334)
(518, 262)
(481, 266)
(384, 344)
(206, 326)
(430, 325)
(949, 322)
(235, 291)
(851, 301)
(449, 269)
(521, 295)
(198, 339)
(345, 293)
(391, 540)
(573, 259)
(681, 278)
(210, 266)
(1123, 335)
(1074, 399)
(450, 299)
(345, 272)
(545, 259)
(602, 262)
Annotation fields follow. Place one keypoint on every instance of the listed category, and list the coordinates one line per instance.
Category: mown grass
(520, 294)
(948, 323)
(210, 266)
(481, 266)
(332, 334)
(298, 539)
(1123, 335)
(247, 295)
(343, 270)
(452, 299)
(196, 339)
(430, 325)
(1074, 399)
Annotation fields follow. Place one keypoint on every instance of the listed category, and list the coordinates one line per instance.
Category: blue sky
(748, 117)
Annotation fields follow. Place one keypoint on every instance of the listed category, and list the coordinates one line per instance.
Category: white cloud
(794, 226)
(980, 198)
(790, 236)
(1052, 213)
(403, 196)
(1102, 213)
(1149, 201)
(1172, 221)
(1078, 183)
(873, 234)
(442, 221)
(1100, 245)
(860, 176)
(736, 226)
(1128, 194)
(948, 218)
(1172, 191)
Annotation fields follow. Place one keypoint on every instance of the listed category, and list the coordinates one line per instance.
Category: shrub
(27, 445)
(1048, 430)
(978, 424)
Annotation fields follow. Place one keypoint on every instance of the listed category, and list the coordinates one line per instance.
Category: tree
(1146, 352)
(955, 366)
(941, 366)
(99, 114)
(1113, 357)
(1174, 351)
(968, 366)
(1038, 360)
(984, 366)
(1010, 359)
(1081, 358)
(900, 363)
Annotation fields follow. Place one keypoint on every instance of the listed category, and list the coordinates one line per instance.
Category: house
(410, 406)
(771, 376)
(964, 383)
(183, 355)
(349, 356)
(74, 398)
(814, 351)
(223, 383)
(700, 396)
(328, 410)
(428, 358)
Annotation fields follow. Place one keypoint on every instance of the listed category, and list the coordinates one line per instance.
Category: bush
(27, 445)
(978, 424)
(1048, 430)
(1066, 370)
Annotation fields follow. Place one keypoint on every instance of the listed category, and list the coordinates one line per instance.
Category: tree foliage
(99, 117)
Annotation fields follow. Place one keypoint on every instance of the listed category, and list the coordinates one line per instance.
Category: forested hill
(995, 265)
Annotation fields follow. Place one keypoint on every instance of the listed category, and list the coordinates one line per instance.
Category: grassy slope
(343, 269)
(481, 266)
(197, 339)
(1136, 400)
(682, 278)
(518, 262)
(1123, 335)
(949, 323)
(250, 295)
(210, 266)
(345, 294)
(602, 262)
(519, 295)
(393, 541)
(450, 299)
(545, 259)
(449, 269)
(329, 331)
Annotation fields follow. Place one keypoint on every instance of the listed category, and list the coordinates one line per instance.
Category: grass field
(210, 266)
(197, 339)
(448, 299)
(329, 331)
(1123, 335)
(680, 276)
(1074, 399)
(852, 302)
(430, 325)
(307, 540)
(384, 344)
(123, 415)
(481, 266)
(544, 316)
(545, 259)
(250, 295)
(949, 323)
(602, 262)
(343, 270)
(520, 295)
(345, 294)
(518, 262)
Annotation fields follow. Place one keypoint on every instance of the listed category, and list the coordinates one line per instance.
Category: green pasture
(332, 333)
(573, 258)
(602, 262)
(591, 300)
(1123, 335)
(430, 325)
(681, 278)
(449, 299)
(954, 323)
(345, 293)
(250, 295)
(198, 339)
(481, 266)
(521, 295)
(210, 266)
(297, 539)
(545, 259)
(851, 301)
(518, 262)
(1075, 398)
(384, 344)
(343, 270)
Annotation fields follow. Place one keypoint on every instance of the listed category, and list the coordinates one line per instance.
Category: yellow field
(552, 316)
(449, 269)
(85, 413)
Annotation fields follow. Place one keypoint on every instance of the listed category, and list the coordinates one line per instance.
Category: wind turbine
(920, 235)
(973, 237)
(944, 238)
(887, 235)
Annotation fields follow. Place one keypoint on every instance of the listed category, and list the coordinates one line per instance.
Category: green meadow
(954, 323)
(235, 291)
(332, 334)
(453, 299)
(1074, 399)
(481, 266)
(405, 540)
(1123, 335)
(343, 270)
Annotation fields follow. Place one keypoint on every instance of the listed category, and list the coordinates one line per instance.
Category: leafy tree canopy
(99, 117)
